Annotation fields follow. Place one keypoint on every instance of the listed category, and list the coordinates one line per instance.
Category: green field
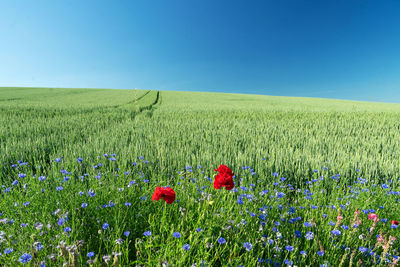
(324, 148)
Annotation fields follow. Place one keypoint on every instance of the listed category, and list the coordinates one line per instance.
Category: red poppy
(395, 222)
(224, 178)
(224, 169)
(168, 194)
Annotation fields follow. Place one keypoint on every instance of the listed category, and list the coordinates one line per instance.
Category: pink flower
(373, 216)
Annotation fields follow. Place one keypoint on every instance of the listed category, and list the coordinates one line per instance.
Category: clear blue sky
(336, 49)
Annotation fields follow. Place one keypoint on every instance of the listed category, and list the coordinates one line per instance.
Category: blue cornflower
(307, 224)
(297, 234)
(59, 188)
(26, 203)
(221, 240)
(61, 221)
(57, 160)
(280, 194)
(321, 253)
(248, 246)
(345, 227)
(309, 235)
(79, 159)
(289, 248)
(363, 249)
(186, 247)
(105, 226)
(275, 174)
(67, 229)
(292, 210)
(303, 252)
(126, 233)
(25, 258)
(14, 183)
(147, 233)
(289, 262)
(22, 175)
(385, 186)
(128, 204)
(199, 229)
(90, 254)
(8, 250)
(176, 235)
(336, 232)
(331, 223)
(39, 246)
(42, 178)
(84, 205)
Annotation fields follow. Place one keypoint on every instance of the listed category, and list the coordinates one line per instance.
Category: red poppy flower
(224, 178)
(395, 222)
(224, 169)
(168, 194)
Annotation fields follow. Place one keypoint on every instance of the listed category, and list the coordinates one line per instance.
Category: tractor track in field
(150, 107)
(140, 97)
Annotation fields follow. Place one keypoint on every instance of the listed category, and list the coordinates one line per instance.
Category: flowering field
(147, 178)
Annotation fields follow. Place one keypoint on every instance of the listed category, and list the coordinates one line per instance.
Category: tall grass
(299, 163)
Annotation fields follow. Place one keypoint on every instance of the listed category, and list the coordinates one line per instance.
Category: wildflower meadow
(147, 178)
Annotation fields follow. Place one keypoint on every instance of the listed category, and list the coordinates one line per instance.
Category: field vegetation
(316, 181)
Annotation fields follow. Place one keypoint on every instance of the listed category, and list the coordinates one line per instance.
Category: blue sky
(335, 49)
